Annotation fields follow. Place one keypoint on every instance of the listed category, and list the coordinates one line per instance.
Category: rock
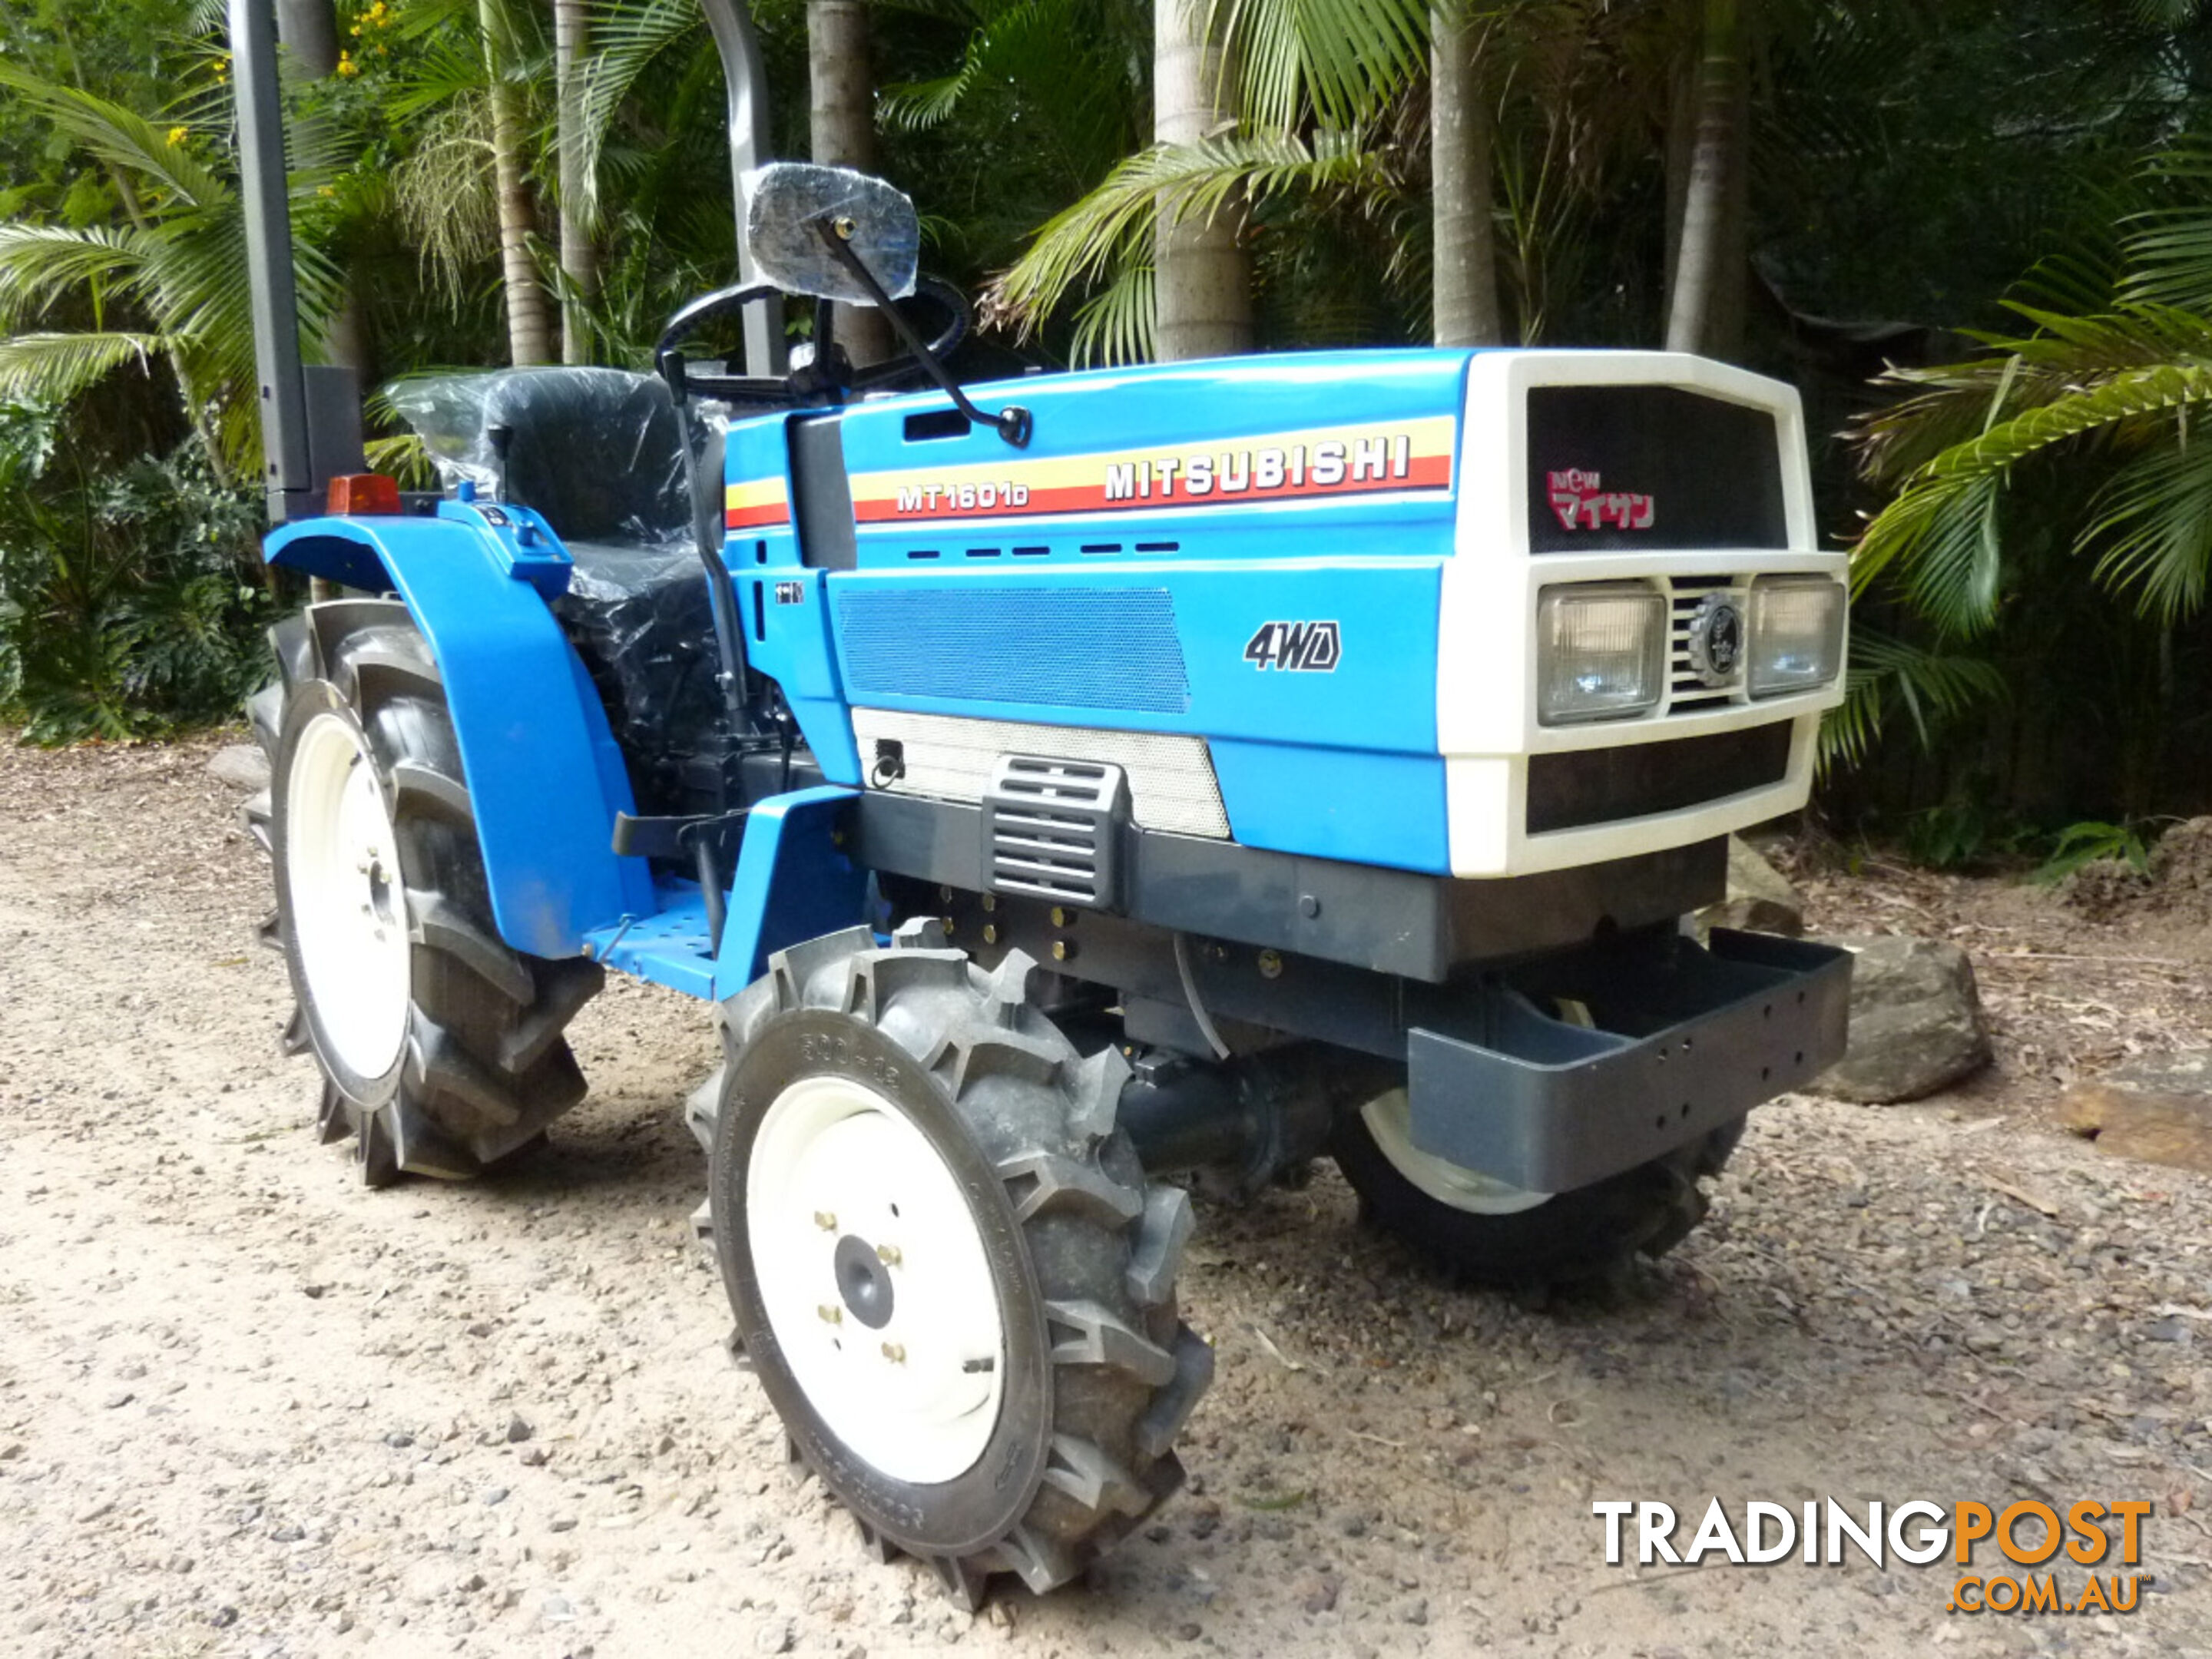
(2157, 1111)
(1759, 897)
(240, 765)
(1917, 1023)
(517, 1431)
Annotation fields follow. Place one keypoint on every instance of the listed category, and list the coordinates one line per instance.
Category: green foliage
(129, 599)
(1889, 678)
(2091, 841)
(1956, 835)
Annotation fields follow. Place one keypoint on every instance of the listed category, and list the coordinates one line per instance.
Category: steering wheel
(728, 302)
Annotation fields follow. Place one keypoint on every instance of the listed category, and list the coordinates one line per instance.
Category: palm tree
(1463, 121)
(842, 132)
(1202, 274)
(580, 253)
(529, 315)
(80, 304)
(1706, 238)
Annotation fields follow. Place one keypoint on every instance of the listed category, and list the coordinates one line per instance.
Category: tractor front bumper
(1578, 1067)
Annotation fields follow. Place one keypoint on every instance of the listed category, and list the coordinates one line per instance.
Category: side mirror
(786, 202)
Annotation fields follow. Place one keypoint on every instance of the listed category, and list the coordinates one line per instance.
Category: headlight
(1599, 651)
(1796, 634)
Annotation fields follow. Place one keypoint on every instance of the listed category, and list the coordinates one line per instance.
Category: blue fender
(794, 883)
(543, 770)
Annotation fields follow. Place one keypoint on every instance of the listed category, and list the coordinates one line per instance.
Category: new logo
(1584, 503)
(1296, 648)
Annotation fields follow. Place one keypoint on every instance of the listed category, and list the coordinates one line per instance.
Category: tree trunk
(841, 130)
(308, 29)
(1716, 154)
(580, 254)
(1202, 279)
(529, 320)
(1462, 121)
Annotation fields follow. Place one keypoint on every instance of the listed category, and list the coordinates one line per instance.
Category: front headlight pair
(1602, 648)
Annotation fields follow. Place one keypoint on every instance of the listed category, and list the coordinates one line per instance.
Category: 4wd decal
(1296, 648)
(1374, 458)
(1584, 503)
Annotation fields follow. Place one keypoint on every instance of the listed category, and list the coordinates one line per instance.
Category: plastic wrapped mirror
(786, 202)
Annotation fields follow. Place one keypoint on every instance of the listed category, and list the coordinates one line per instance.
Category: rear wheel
(947, 1268)
(1486, 1231)
(441, 1049)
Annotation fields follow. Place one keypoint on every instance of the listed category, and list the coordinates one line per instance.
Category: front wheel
(1486, 1232)
(947, 1266)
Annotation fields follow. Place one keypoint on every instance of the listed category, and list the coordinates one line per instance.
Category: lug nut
(825, 1220)
(1063, 950)
(990, 901)
(830, 1315)
(1271, 964)
(990, 932)
(896, 1352)
(1060, 917)
(888, 1255)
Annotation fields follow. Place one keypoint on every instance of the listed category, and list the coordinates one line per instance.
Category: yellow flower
(355, 31)
(178, 135)
(330, 191)
(346, 66)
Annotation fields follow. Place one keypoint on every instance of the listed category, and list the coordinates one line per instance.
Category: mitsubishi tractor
(1054, 788)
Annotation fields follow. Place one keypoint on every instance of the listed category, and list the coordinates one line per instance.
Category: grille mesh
(1686, 692)
(1062, 647)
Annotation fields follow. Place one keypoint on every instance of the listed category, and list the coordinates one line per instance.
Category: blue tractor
(1056, 786)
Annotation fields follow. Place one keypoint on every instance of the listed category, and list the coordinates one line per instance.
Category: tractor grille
(1051, 827)
(1685, 691)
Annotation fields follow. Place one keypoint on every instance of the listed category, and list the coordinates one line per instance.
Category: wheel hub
(865, 1282)
(348, 912)
(873, 1276)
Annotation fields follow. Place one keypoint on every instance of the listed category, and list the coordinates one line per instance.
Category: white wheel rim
(917, 1395)
(1389, 1119)
(348, 905)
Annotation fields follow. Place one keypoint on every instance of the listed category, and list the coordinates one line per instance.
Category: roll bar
(310, 413)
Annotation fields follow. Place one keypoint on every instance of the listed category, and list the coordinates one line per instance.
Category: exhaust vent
(1053, 829)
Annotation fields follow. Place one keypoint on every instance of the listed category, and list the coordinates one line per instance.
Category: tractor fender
(545, 777)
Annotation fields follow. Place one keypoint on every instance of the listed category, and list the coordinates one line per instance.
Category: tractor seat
(599, 453)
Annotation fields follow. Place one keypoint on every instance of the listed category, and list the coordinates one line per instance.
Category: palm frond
(1115, 325)
(39, 263)
(628, 37)
(1342, 59)
(1889, 677)
(1111, 229)
(54, 367)
(2152, 525)
(119, 137)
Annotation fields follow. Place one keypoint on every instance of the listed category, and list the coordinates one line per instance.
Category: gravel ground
(248, 1408)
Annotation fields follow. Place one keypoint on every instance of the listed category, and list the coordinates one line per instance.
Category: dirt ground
(249, 1408)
